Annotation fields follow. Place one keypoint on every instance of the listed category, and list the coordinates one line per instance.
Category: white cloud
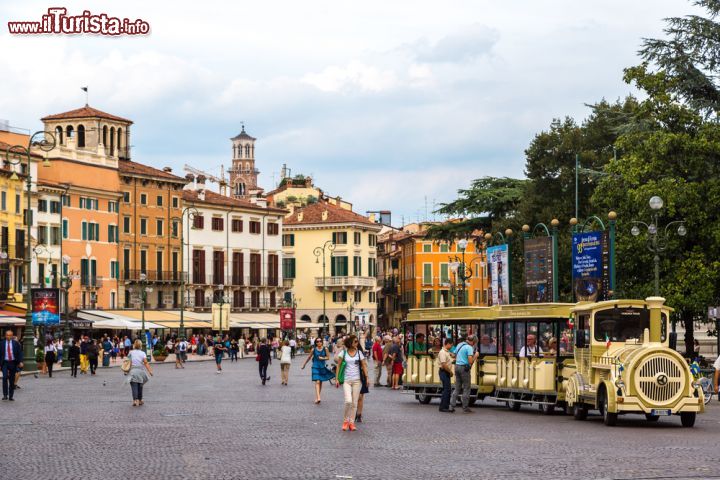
(354, 75)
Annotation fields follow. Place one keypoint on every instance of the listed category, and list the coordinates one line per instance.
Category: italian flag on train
(608, 342)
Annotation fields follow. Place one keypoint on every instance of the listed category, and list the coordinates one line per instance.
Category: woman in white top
(50, 356)
(355, 367)
(285, 359)
(137, 376)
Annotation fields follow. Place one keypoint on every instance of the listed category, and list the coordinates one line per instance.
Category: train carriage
(612, 356)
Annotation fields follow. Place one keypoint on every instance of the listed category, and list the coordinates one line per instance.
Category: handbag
(341, 370)
(126, 364)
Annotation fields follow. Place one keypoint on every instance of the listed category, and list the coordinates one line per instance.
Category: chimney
(201, 179)
(167, 169)
(300, 217)
(324, 215)
(201, 194)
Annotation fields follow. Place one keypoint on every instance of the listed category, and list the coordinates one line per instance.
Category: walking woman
(320, 372)
(355, 368)
(138, 374)
(285, 359)
(50, 356)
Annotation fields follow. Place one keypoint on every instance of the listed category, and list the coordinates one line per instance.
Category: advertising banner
(538, 270)
(287, 319)
(221, 316)
(589, 266)
(361, 319)
(45, 306)
(498, 264)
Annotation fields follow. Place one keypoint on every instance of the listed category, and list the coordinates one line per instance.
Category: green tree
(668, 149)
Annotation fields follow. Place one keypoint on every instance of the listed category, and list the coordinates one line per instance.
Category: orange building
(430, 272)
(90, 143)
(150, 221)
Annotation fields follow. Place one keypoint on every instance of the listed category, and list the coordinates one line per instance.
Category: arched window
(81, 136)
(119, 142)
(305, 318)
(105, 136)
(240, 150)
(69, 131)
(112, 141)
(252, 151)
(239, 189)
(59, 135)
(247, 151)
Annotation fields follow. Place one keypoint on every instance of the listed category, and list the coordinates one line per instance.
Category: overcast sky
(391, 104)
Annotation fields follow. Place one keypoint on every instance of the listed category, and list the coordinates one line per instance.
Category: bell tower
(243, 174)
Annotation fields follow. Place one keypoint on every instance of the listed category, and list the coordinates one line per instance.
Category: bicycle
(708, 388)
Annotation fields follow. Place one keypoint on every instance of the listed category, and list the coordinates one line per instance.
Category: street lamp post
(45, 141)
(191, 213)
(222, 300)
(351, 306)
(461, 271)
(504, 240)
(144, 289)
(329, 245)
(65, 284)
(657, 243)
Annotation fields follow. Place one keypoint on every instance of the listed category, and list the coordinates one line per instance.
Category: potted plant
(160, 353)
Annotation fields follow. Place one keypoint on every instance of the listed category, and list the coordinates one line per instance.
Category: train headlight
(619, 383)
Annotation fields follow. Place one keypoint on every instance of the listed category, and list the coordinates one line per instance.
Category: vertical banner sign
(45, 306)
(361, 319)
(589, 266)
(538, 270)
(287, 319)
(498, 265)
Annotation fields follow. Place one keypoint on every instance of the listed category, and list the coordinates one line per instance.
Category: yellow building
(13, 202)
(349, 260)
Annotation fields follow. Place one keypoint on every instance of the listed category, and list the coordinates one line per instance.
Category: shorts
(397, 369)
(218, 359)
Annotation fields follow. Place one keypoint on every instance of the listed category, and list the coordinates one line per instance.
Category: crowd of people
(341, 359)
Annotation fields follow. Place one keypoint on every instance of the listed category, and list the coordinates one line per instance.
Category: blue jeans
(445, 399)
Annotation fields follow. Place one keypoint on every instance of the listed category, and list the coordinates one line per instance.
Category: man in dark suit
(11, 358)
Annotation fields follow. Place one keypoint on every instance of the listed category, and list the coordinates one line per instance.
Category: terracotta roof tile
(133, 168)
(86, 112)
(312, 214)
(214, 198)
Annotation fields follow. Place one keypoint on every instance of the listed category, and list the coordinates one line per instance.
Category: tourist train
(611, 356)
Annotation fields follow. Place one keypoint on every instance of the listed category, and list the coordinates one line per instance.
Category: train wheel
(423, 398)
(580, 411)
(687, 419)
(651, 418)
(609, 419)
(547, 409)
(514, 406)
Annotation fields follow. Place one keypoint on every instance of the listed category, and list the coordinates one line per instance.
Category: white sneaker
(218, 372)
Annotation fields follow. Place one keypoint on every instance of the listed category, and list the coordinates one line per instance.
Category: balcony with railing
(236, 280)
(154, 276)
(342, 282)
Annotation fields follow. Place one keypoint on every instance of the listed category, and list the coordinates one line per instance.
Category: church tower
(243, 174)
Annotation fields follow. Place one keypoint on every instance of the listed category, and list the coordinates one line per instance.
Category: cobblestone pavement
(197, 425)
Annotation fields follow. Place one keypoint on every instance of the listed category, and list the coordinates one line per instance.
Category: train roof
(526, 310)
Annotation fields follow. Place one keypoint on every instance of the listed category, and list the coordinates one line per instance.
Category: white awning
(114, 321)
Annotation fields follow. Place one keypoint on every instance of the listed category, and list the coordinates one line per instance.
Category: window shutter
(84, 230)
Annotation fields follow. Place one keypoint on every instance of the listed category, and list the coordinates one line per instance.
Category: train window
(488, 338)
(546, 337)
(419, 343)
(620, 324)
(565, 339)
(582, 330)
(508, 338)
(520, 337)
(663, 327)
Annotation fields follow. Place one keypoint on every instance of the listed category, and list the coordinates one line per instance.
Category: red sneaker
(345, 426)
(352, 427)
